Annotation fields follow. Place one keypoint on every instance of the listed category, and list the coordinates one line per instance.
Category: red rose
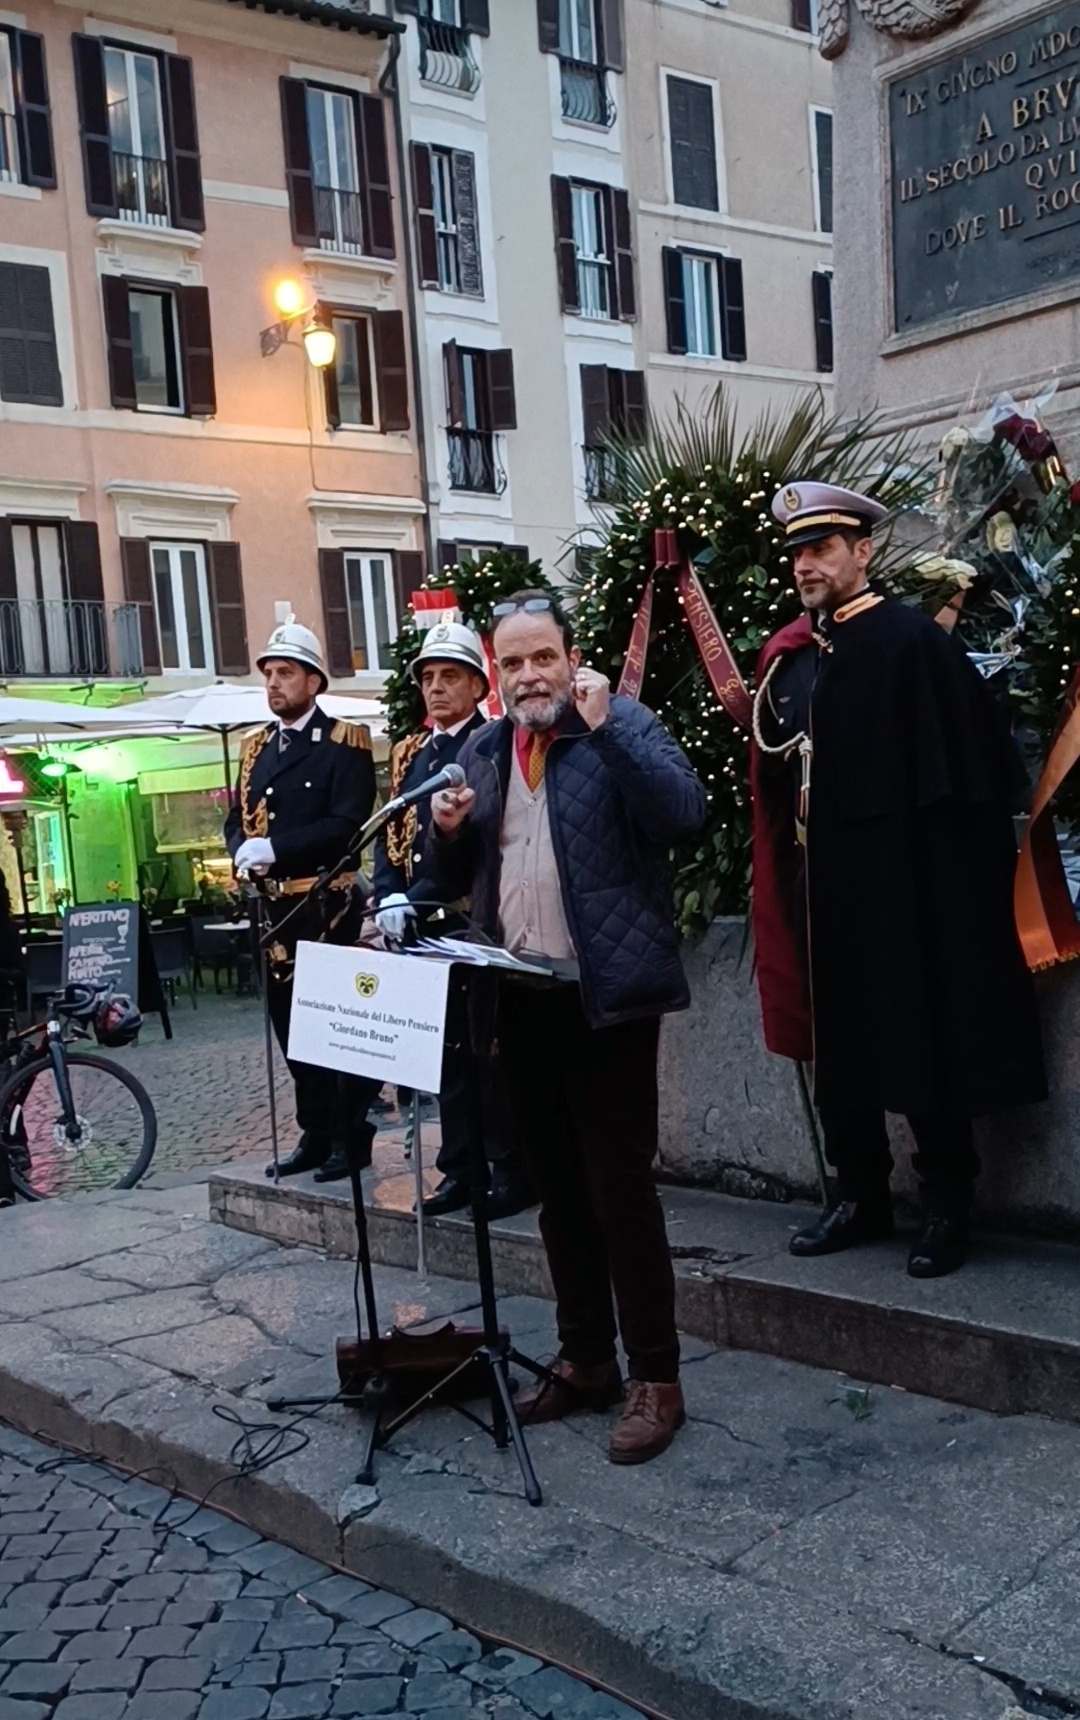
(1074, 494)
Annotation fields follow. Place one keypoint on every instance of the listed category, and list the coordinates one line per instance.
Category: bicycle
(73, 1121)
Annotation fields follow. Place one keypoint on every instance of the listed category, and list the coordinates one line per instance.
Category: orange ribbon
(720, 665)
(1045, 916)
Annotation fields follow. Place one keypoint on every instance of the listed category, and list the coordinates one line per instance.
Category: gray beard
(537, 722)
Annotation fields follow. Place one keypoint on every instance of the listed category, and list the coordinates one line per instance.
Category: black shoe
(452, 1195)
(941, 1248)
(509, 1198)
(336, 1168)
(845, 1225)
(307, 1156)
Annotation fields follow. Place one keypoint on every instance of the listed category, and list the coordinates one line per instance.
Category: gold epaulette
(255, 738)
(351, 734)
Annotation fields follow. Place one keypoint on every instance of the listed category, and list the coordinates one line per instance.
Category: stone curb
(748, 1298)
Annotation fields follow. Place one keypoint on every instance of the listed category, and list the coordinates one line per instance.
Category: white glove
(393, 916)
(255, 855)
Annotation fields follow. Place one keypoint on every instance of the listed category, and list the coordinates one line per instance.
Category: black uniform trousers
(585, 1102)
(331, 1107)
(945, 1161)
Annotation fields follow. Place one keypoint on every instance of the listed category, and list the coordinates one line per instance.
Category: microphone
(451, 776)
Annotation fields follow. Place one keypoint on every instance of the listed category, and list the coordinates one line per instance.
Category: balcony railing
(9, 148)
(339, 218)
(446, 57)
(584, 93)
(142, 188)
(601, 474)
(44, 637)
(474, 463)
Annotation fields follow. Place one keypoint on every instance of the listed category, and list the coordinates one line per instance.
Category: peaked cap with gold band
(811, 512)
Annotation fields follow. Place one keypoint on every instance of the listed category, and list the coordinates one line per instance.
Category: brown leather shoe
(572, 1389)
(651, 1417)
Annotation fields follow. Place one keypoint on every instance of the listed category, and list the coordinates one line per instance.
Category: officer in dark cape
(884, 781)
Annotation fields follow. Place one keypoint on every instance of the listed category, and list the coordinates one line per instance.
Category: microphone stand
(495, 1350)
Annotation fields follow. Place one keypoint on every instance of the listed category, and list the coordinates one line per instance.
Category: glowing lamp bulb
(54, 767)
(289, 298)
(320, 344)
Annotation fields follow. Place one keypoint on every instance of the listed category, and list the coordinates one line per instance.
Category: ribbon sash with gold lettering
(1045, 916)
(720, 665)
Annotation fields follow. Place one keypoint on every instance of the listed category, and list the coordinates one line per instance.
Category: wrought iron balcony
(142, 188)
(601, 474)
(584, 93)
(46, 637)
(9, 148)
(446, 57)
(474, 463)
(340, 220)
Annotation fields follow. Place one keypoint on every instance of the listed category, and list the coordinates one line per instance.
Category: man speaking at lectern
(561, 837)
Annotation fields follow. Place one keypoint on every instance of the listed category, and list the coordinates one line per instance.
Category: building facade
(616, 204)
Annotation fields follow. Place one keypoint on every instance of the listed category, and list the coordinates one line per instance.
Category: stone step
(1002, 1335)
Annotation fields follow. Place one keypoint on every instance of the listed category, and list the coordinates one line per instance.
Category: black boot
(941, 1247)
(309, 1153)
(336, 1168)
(510, 1193)
(844, 1225)
(452, 1195)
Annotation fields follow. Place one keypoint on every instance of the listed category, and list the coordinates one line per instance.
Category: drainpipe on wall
(389, 84)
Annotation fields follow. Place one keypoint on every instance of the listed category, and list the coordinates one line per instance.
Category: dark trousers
(455, 1108)
(331, 1108)
(945, 1161)
(585, 1103)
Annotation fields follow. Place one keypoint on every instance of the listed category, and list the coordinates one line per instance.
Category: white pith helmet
(451, 642)
(297, 644)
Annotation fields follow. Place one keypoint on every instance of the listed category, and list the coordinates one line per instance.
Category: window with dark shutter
(227, 615)
(692, 131)
(595, 404)
(565, 246)
(470, 273)
(823, 165)
(502, 406)
(803, 15)
(622, 230)
(298, 173)
(547, 19)
(821, 287)
(611, 35)
(375, 178)
(32, 139)
(29, 367)
(82, 557)
(732, 308)
(335, 602)
(139, 590)
(200, 396)
(391, 369)
(475, 16)
(409, 571)
(674, 298)
(94, 125)
(114, 294)
(423, 188)
(185, 170)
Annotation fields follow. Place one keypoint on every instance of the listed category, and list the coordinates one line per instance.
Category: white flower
(1001, 533)
(954, 442)
(959, 573)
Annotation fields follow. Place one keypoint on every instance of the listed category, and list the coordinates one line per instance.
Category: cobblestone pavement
(208, 1084)
(108, 1613)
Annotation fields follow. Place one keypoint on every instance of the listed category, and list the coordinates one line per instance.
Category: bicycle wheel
(114, 1139)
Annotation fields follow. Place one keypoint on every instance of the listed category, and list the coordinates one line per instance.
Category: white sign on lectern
(365, 1012)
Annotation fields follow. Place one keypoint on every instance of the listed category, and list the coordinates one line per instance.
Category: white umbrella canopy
(227, 705)
(51, 716)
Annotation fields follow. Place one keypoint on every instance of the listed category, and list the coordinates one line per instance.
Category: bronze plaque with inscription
(985, 153)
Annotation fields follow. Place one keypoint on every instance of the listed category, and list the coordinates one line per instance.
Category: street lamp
(319, 340)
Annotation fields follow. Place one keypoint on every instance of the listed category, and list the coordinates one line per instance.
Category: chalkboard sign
(985, 172)
(108, 943)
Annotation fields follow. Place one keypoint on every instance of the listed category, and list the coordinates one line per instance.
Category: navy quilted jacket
(618, 798)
